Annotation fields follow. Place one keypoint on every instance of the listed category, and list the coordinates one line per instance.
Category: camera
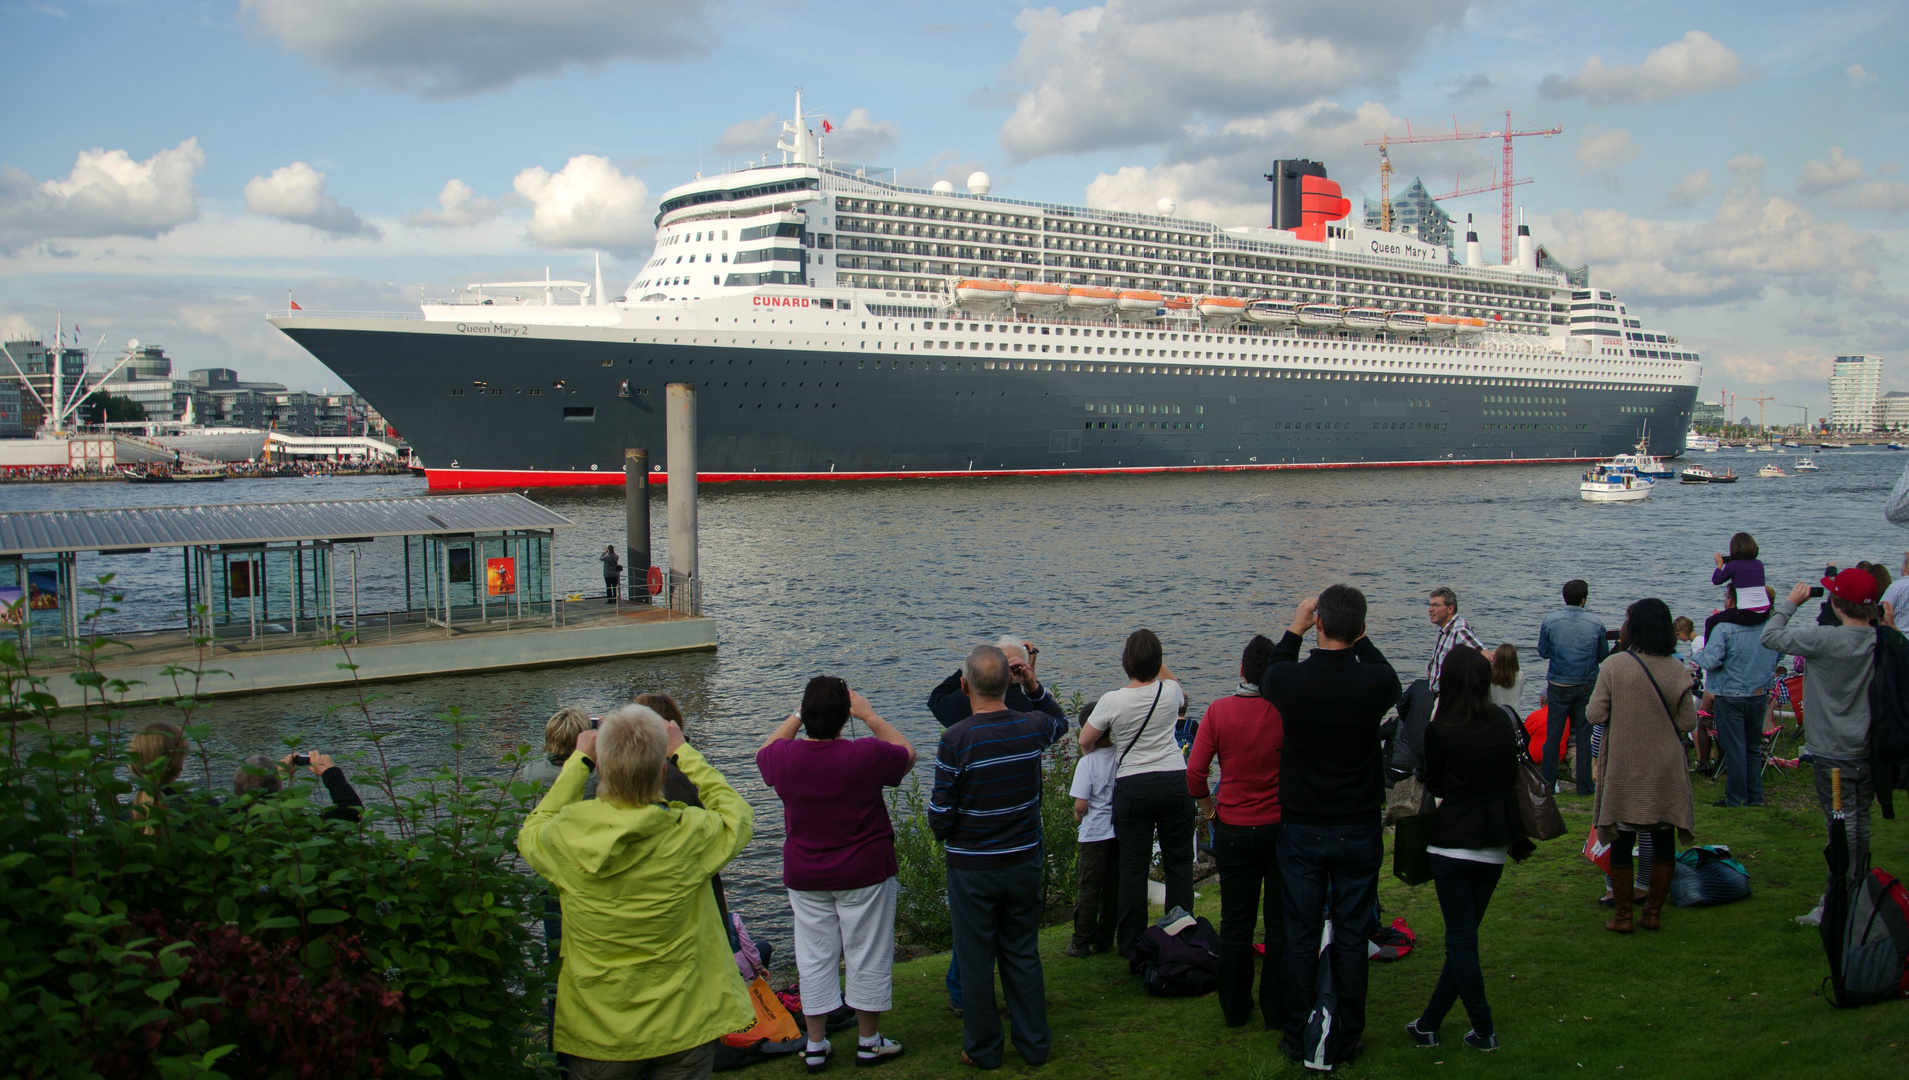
(1816, 590)
(1613, 635)
(302, 760)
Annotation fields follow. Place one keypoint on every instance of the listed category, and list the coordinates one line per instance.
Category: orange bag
(773, 1021)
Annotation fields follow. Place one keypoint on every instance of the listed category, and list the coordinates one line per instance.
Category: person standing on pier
(612, 574)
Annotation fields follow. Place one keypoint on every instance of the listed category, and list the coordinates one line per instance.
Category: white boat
(1140, 301)
(1899, 446)
(1039, 294)
(983, 291)
(1804, 465)
(1695, 441)
(1641, 462)
(1407, 322)
(1362, 318)
(1090, 298)
(1321, 316)
(1769, 471)
(1273, 312)
(1603, 484)
(1835, 446)
(1766, 448)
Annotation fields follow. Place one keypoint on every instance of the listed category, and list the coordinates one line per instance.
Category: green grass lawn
(1731, 992)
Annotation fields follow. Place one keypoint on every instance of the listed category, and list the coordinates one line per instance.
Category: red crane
(1505, 182)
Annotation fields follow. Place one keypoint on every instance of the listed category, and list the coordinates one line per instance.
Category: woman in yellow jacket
(648, 980)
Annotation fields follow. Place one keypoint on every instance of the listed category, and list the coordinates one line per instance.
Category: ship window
(584, 414)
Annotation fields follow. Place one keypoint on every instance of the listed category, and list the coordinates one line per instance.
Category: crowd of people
(1286, 779)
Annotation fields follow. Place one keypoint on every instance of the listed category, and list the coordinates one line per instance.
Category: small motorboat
(1273, 312)
(1804, 465)
(1696, 474)
(1834, 446)
(1770, 471)
(1899, 446)
(150, 477)
(1724, 477)
(1604, 484)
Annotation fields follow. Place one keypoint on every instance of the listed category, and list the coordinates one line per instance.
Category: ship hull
(501, 411)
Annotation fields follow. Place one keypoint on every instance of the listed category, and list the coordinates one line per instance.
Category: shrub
(252, 937)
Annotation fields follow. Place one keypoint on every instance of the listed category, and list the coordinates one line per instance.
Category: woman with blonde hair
(560, 741)
(159, 755)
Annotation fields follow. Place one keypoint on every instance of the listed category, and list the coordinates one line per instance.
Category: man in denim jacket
(1573, 640)
(1741, 670)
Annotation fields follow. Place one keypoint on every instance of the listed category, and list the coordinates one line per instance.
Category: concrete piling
(685, 585)
(636, 522)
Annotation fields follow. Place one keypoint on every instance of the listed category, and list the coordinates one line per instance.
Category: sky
(173, 171)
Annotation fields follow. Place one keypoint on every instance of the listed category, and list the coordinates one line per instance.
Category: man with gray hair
(986, 811)
(1453, 631)
(1025, 692)
(260, 775)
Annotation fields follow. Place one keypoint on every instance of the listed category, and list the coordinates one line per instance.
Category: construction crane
(1459, 193)
(1761, 400)
(1506, 182)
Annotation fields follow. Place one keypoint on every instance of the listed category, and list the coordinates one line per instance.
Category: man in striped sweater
(986, 810)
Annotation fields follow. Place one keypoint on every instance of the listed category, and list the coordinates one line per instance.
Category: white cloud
(14, 327)
(1133, 72)
(750, 137)
(1692, 189)
(1829, 173)
(458, 208)
(1842, 179)
(1694, 65)
(106, 194)
(1756, 243)
(1858, 75)
(1602, 153)
(860, 137)
(1888, 196)
(450, 48)
(296, 193)
(1747, 168)
(587, 204)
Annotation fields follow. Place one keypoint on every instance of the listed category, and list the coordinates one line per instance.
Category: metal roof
(38, 531)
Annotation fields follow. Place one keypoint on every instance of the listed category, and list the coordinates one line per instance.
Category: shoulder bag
(1411, 862)
(1158, 688)
(1537, 807)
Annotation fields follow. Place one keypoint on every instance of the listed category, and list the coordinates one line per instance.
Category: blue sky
(169, 170)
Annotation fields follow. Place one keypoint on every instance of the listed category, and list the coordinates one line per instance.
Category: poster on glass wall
(460, 565)
(238, 580)
(13, 610)
(501, 576)
(43, 590)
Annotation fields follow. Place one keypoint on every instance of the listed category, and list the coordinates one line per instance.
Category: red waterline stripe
(493, 479)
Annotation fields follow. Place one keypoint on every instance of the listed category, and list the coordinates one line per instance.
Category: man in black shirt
(949, 703)
(1332, 789)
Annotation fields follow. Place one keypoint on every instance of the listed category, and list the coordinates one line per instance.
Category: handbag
(1411, 862)
(1537, 807)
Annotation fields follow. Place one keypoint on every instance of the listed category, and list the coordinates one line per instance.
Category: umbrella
(1836, 898)
(1325, 1006)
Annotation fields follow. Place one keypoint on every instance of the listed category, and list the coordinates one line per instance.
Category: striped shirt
(1454, 633)
(986, 805)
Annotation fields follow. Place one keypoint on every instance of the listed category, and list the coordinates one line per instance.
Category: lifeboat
(1039, 294)
(1221, 307)
(1321, 315)
(983, 291)
(1140, 301)
(1181, 304)
(1364, 318)
(1467, 326)
(1273, 312)
(1406, 321)
(1090, 298)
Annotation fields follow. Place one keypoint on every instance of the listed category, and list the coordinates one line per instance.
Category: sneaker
(1487, 1043)
(1814, 918)
(817, 1060)
(882, 1049)
(1721, 802)
(1080, 948)
(1421, 1037)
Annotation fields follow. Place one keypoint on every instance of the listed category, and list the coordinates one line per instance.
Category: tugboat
(1606, 484)
(1696, 474)
(1641, 461)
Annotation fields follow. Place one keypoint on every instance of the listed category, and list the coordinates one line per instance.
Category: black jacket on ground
(950, 705)
(1331, 770)
(1473, 768)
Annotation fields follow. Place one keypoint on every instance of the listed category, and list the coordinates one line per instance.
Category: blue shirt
(1738, 664)
(986, 805)
(1573, 640)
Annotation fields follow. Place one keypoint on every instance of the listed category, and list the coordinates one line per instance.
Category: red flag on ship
(827, 127)
(295, 306)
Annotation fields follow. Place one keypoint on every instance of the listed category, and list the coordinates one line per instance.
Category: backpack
(1889, 715)
(1186, 964)
(1875, 945)
(1707, 876)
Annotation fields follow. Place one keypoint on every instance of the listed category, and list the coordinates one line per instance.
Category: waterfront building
(1892, 413)
(10, 426)
(1855, 391)
(1707, 414)
(35, 360)
(1416, 214)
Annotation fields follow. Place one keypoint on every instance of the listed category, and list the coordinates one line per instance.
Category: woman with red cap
(1836, 694)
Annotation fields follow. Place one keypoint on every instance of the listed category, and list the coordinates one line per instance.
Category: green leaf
(162, 991)
(326, 916)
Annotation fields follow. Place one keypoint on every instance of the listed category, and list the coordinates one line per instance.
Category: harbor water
(888, 583)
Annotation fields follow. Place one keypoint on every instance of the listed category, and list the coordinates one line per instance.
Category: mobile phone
(304, 760)
(1816, 590)
(1612, 635)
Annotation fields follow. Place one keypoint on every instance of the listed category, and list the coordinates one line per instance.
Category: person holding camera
(260, 775)
(1836, 693)
(838, 860)
(560, 741)
(1025, 693)
(648, 981)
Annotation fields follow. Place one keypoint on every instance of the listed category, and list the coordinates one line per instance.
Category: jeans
(1568, 700)
(611, 587)
(997, 920)
(1317, 864)
(1147, 804)
(1096, 890)
(1739, 723)
(1464, 888)
(1859, 790)
(1247, 857)
(694, 1063)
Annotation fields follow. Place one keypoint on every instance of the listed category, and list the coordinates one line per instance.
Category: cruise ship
(837, 325)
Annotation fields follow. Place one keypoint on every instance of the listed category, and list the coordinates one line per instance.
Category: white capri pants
(856, 924)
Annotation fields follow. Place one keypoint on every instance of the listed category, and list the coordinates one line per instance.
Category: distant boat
(1724, 477)
(1605, 484)
(174, 478)
(1804, 465)
(1696, 474)
(1770, 471)
(1899, 446)
(1695, 441)
(1834, 446)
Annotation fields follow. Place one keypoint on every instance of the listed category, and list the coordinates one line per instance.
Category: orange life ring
(656, 581)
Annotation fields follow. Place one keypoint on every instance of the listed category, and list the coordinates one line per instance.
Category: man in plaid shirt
(1452, 631)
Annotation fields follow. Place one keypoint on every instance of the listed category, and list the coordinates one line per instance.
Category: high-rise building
(1855, 392)
(1892, 414)
(1415, 214)
(1707, 414)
